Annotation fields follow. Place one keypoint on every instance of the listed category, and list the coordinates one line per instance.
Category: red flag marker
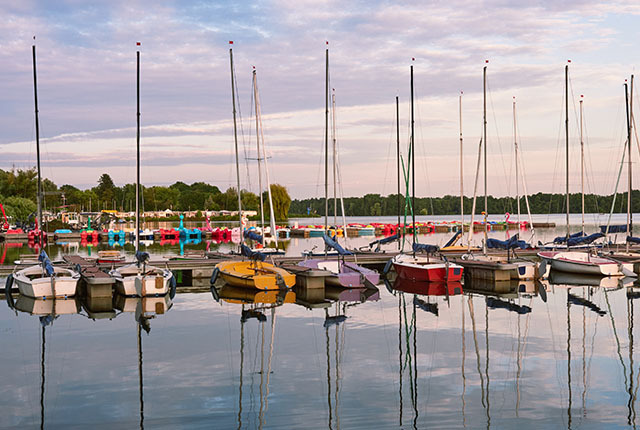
(138, 43)
(568, 61)
(486, 61)
(231, 42)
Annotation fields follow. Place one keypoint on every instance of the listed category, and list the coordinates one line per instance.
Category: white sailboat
(43, 280)
(138, 279)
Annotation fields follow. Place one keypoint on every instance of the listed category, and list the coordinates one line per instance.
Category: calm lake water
(403, 356)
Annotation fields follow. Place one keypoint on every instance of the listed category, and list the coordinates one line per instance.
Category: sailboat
(411, 265)
(344, 274)
(516, 268)
(43, 280)
(578, 262)
(139, 279)
(253, 272)
(262, 157)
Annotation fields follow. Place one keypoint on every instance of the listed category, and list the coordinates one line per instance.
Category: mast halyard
(255, 98)
(515, 144)
(484, 134)
(326, 140)
(35, 97)
(461, 167)
(413, 169)
(630, 188)
(335, 162)
(582, 159)
(138, 149)
(566, 130)
(398, 165)
(235, 137)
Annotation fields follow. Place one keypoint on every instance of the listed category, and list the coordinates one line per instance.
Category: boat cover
(141, 257)
(252, 255)
(333, 244)
(618, 228)
(423, 247)
(511, 243)
(633, 239)
(250, 234)
(46, 263)
(384, 240)
(584, 240)
(563, 239)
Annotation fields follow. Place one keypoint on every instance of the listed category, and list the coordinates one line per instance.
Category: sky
(86, 72)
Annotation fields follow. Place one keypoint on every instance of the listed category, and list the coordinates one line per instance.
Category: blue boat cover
(618, 228)
(384, 240)
(563, 239)
(423, 247)
(584, 240)
(633, 239)
(252, 255)
(512, 243)
(46, 263)
(332, 244)
(454, 238)
(251, 234)
(141, 257)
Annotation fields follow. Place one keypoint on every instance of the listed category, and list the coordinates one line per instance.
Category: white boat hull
(130, 282)
(31, 283)
(583, 263)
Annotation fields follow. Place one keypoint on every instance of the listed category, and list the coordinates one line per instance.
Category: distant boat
(43, 280)
(138, 279)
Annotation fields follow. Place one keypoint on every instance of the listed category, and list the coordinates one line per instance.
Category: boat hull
(249, 274)
(426, 269)
(31, 283)
(130, 282)
(581, 263)
(344, 274)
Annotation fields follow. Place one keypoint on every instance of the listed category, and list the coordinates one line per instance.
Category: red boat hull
(429, 272)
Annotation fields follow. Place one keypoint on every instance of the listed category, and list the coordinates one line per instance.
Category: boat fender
(7, 291)
(387, 267)
(8, 285)
(214, 293)
(214, 275)
(173, 285)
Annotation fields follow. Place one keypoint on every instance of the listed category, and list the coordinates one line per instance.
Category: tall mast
(582, 160)
(461, 167)
(235, 137)
(398, 162)
(413, 167)
(484, 134)
(630, 206)
(627, 102)
(255, 98)
(566, 131)
(335, 161)
(515, 143)
(138, 149)
(35, 97)
(326, 139)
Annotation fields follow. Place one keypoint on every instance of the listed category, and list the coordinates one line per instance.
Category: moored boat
(584, 263)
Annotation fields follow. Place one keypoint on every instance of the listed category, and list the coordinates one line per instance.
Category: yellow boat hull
(249, 274)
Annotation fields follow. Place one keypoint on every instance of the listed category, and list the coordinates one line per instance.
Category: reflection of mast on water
(42, 370)
(339, 321)
(569, 358)
(140, 375)
(464, 378)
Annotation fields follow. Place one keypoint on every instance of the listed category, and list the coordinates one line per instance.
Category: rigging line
(391, 145)
(475, 342)
(615, 334)
(422, 147)
(559, 144)
(495, 123)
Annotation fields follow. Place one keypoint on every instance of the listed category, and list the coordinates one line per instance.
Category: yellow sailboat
(255, 274)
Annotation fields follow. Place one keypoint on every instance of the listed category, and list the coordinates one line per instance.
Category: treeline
(18, 191)
(540, 203)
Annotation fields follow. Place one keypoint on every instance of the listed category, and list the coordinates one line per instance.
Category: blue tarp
(252, 255)
(584, 240)
(619, 228)
(384, 240)
(512, 243)
(633, 239)
(46, 263)
(251, 234)
(423, 247)
(563, 239)
(332, 244)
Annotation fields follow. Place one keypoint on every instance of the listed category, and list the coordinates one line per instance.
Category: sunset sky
(86, 89)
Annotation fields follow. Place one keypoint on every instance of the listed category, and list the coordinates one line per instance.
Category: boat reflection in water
(47, 311)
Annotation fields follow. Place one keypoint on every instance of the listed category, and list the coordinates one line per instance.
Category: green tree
(281, 201)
